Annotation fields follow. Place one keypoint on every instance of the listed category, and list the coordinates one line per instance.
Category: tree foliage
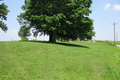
(3, 13)
(24, 32)
(63, 18)
(90, 35)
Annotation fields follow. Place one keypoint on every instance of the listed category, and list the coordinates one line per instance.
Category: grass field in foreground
(61, 61)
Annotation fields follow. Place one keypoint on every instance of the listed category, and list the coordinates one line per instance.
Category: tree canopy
(3, 13)
(63, 18)
(24, 32)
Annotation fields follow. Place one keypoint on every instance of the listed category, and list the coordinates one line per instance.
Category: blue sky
(104, 12)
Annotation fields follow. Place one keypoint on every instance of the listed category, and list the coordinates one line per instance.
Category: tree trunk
(61, 39)
(67, 40)
(52, 37)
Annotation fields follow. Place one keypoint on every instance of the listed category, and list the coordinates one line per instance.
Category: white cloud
(116, 7)
(14, 31)
(109, 32)
(10, 35)
(107, 6)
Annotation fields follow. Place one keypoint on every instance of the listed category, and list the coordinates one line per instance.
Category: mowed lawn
(116, 42)
(62, 61)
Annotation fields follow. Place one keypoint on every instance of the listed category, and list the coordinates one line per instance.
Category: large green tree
(63, 18)
(3, 13)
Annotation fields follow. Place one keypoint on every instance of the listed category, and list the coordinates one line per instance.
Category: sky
(104, 13)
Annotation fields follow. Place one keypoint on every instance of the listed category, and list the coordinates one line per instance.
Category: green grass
(116, 42)
(62, 61)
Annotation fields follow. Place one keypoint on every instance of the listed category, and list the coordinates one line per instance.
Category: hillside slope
(62, 61)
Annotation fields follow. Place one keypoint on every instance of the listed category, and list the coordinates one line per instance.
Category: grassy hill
(35, 60)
